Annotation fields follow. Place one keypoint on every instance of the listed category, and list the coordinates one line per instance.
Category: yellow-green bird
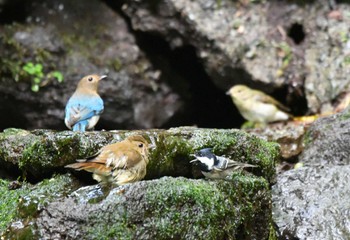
(256, 106)
(120, 163)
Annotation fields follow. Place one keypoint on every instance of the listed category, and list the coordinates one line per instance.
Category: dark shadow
(205, 104)
(13, 11)
(296, 32)
(11, 116)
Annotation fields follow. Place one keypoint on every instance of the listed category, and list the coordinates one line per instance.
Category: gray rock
(327, 141)
(312, 203)
(327, 56)
(237, 43)
(268, 44)
(231, 40)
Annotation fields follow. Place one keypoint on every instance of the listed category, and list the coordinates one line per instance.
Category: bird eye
(90, 79)
(140, 145)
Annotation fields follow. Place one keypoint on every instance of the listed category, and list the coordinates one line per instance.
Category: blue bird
(85, 106)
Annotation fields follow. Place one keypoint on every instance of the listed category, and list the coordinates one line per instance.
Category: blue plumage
(84, 108)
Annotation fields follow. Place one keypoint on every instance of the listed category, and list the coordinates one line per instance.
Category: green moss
(34, 65)
(249, 125)
(13, 132)
(345, 115)
(307, 138)
(187, 209)
(181, 208)
(273, 234)
(116, 230)
(8, 203)
(26, 202)
(42, 150)
(169, 151)
(284, 51)
(116, 64)
(118, 226)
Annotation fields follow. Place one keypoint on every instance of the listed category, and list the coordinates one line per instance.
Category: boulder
(276, 46)
(311, 203)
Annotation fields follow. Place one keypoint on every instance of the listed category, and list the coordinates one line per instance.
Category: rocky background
(169, 64)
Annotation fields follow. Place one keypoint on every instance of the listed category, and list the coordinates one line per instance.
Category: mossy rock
(42, 152)
(165, 208)
(21, 202)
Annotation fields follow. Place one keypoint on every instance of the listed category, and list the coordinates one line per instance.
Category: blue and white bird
(216, 167)
(85, 106)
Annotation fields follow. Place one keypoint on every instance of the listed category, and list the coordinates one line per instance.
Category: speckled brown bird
(119, 163)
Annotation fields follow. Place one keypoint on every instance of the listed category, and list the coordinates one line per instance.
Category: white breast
(92, 122)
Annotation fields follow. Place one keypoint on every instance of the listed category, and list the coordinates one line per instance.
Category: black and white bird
(216, 167)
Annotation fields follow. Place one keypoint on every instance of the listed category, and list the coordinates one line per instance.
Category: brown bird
(122, 162)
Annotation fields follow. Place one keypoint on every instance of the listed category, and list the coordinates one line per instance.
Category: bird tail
(240, 165)
(97, 168)
(245, 165)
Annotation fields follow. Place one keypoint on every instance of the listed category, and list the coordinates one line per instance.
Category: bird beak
(194, 160)
(103, 77)
(228, 92)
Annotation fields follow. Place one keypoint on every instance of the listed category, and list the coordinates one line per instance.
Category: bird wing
(225, 163)
(83, 108)
(262, 97)
(117, 155)
(128, 159)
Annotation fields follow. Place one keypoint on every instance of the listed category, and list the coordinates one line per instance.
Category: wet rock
(165, 208)
(327, 141)
(311, 203)
(19, 206)
(39, 153)
(73, 39)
